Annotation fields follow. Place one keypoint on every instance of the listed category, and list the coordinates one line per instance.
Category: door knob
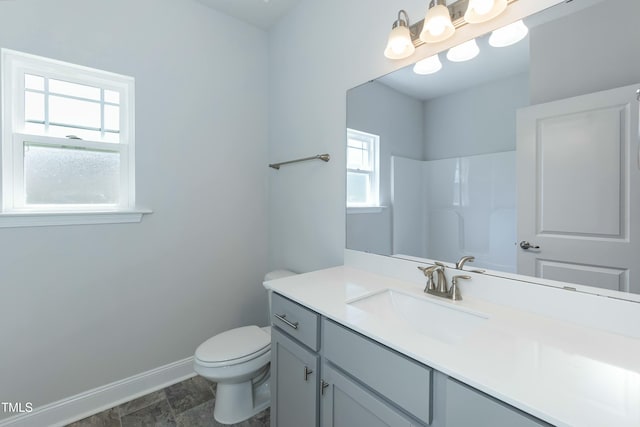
(526, 245)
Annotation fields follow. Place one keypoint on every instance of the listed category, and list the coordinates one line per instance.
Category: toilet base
(241, 401)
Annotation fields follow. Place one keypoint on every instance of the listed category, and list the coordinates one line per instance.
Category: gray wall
(480, 120)
(593, 50)
(317, 52)
(396, 118)
(82, 306)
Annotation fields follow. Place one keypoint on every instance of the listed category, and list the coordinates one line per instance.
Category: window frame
(14, 65)
(373, 196)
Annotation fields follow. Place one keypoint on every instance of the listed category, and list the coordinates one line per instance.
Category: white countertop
(562, 373)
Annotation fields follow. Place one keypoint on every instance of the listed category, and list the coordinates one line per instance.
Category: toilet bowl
(238, 361)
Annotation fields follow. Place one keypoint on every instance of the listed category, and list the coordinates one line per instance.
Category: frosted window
(33, 82)
(73, 89)
(74, 112)
(56, 175)
(34, 106)
(358, 185)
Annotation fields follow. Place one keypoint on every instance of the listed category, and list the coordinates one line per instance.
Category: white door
(579, 190)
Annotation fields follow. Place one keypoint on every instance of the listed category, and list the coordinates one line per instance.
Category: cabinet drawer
(296, 320)
(402, 381)
(469, 407)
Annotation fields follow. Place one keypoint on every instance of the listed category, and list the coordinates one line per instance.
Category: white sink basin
(442, 321)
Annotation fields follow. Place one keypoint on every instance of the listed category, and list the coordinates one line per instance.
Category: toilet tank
(273, 275)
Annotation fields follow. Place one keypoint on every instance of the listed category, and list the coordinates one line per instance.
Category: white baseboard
(90, 402)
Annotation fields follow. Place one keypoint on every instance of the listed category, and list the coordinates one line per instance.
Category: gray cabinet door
(294, 383)
(467, 407)
(346, 404)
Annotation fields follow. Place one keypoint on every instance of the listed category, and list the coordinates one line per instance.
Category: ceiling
(261, 13)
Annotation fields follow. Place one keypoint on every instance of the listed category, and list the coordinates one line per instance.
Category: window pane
(112, 96)
(33, 82)
(357, 187)
(74, 112)
(70, 176)
(34, 106)
(74, 89)
(111, 117)
(358, 159)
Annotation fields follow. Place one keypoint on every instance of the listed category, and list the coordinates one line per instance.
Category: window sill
(364, 209)
(39, 219)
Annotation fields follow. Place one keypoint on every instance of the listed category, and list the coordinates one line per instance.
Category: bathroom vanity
(359, 347)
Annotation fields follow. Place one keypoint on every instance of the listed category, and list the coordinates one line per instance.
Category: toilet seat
(233, 347)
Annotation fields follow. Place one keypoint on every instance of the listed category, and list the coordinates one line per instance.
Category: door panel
(577, 168)
(346, 404)
(294, 391)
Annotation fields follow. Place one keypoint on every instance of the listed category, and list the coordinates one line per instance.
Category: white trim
(90, 402)
(14, 65)
(38, 219)
(351, 210)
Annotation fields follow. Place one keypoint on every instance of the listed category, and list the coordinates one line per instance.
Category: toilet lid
(234, 344)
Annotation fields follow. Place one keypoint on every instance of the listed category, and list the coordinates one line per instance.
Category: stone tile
(141, 402)
(203, 382)
(200, 416)
(188, 394)
(108, 418)
(158, 414)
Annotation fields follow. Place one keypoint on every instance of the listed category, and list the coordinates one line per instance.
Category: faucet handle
(428, 273)
(454, 292)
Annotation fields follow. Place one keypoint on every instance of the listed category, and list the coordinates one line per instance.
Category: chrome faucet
(440, 287)
(461, 262)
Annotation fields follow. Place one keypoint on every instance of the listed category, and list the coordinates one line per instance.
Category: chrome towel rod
(323, 157)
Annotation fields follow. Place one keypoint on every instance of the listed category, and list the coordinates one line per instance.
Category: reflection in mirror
(533, 143)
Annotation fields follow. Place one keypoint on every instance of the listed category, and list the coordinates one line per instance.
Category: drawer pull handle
(307, 372)
(283, 317)
(323, 385)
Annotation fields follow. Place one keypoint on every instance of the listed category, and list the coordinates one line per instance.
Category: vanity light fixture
(508, 35)
(463, 52)
(480, 11)
(437, 24)
(428, 65)
(399, 45)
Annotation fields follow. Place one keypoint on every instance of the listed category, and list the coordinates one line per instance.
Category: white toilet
(238, 360)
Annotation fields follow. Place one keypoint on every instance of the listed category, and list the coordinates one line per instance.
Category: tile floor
(186, 404)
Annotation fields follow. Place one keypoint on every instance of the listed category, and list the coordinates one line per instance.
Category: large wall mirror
(534, 143)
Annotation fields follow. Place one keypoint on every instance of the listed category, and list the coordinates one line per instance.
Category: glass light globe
(437, 25)
(399, 45)
(508, 35)
(484, 10)
(428, 65)
(463, 52)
